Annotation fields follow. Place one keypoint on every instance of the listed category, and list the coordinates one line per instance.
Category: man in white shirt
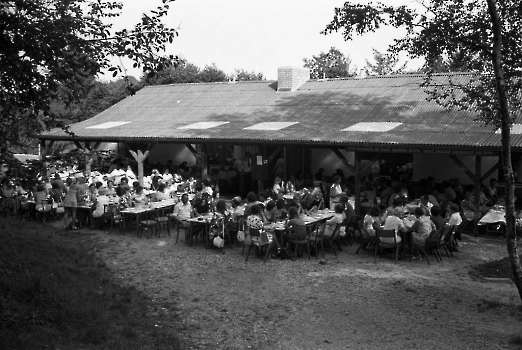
(182, 211)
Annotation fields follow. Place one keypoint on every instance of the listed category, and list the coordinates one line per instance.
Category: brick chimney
(290, 79)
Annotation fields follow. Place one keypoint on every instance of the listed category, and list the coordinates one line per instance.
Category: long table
(279, 228)
(144, 209)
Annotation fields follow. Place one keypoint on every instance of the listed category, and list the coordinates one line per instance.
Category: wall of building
(442, 167)
(176, 152)
(328, 160)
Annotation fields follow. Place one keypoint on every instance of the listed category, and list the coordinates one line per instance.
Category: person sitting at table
(425, 204)
(372, 220)
(396, 208)
(139, 198)
(270, 211)
(296, 202)
(251, 199)
(349, 212)
(100, 202)
(453, 217)
(255, 220)
(295, 225)
(182, 211)
(201, 205)
(393, 222)
(124, 197)
(438, 220)
(338, 218)
(453, 214)
(220, 220)
(281, 213)
(237, 210)
(278, 188)
(491, 192)
(135, 185)
(160, 194)
(92, 192)
(111, 190)
(420, 231)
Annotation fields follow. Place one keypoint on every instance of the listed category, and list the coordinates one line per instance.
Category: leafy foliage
(244, 75)
(331, 64)
(186, 72)
(385, 64)
(49, 47)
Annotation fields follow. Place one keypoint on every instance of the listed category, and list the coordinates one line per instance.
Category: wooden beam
(275, 154)
(78, 144)
(464, 168)
(140, 158)
(344, 160)
(490, 171)
(96, 145)
(192, 150)
(374, 159)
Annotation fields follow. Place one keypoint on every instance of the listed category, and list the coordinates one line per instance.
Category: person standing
(279, 168)
(335, 191)
(70, 204)
(247, 174)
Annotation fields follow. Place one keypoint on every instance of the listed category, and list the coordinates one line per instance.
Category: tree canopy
(331, 64)
(385, 64)
(484, 38)
(50, 47)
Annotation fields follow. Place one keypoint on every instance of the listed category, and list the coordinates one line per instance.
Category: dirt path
(220, 302)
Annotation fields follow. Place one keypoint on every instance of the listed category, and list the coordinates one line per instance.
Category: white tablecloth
(493, 216)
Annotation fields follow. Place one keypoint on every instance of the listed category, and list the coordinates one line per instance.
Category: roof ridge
(213, 83)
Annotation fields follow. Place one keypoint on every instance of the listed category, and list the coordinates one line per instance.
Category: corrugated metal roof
(321, 109)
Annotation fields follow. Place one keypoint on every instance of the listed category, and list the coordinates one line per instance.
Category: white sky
(256, 36)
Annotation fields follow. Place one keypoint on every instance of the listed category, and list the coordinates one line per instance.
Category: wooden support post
(478, 185)
(357, 168)
(140, 158)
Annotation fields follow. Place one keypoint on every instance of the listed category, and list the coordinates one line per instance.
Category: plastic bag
(219, 242)
(241, 236)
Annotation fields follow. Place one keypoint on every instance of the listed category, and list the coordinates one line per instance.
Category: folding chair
(261, 241)
(379, 245)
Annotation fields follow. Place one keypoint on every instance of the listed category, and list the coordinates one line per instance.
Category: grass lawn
(55, 293)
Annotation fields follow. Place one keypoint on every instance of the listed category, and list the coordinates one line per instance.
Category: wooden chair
(365, 239)
(332, 241)
(435, 243)
(261, 241)
(179, 227)
(162, 220)
(448, 242)
(112, 211)
(148, 223)
(421, 249)
(300, 237)
(379, 245)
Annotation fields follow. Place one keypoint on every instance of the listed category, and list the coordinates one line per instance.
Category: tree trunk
(511, 232)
